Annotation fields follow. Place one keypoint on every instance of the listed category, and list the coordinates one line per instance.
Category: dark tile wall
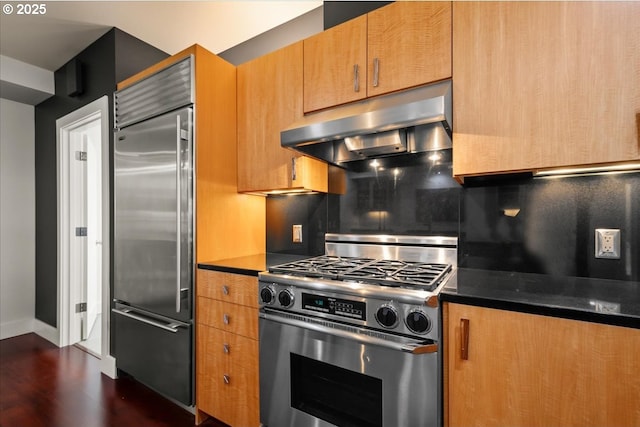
(406, 195)
(548, 225)
(520, 224)
(283, 212)
(402, 195)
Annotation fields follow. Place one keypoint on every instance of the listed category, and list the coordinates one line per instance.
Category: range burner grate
(407, 274)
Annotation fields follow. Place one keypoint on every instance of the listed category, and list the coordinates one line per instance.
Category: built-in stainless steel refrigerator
(154, 231)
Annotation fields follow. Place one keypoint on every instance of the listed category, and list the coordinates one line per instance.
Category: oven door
(320, 374)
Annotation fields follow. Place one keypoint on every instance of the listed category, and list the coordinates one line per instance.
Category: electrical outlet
(607, 243)
(297, 233)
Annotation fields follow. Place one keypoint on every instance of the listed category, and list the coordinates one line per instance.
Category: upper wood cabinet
(398, 46)
(269, 100)
(530, 370)
(544, 84)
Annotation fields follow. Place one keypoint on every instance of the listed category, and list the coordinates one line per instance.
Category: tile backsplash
(548, 225)
(524, 225)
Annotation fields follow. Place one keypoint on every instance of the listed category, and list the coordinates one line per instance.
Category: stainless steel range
(351, 338)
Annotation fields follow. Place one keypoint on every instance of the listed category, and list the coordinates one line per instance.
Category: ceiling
(48, 41)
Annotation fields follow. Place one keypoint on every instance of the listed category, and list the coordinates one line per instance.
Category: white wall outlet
(297, 233)
(607, 243)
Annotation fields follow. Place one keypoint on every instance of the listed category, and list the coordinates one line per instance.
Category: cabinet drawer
(228, 317)
(227, 381)
(234, 288)
(217, 348)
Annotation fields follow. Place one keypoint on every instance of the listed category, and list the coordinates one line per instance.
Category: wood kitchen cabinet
(541, 85)
(395, 47)
(270, 100)
(227, 224)
(531, 370)
(227, 367)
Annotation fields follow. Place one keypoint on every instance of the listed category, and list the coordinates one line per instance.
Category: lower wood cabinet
(530, 370)
(227, 369)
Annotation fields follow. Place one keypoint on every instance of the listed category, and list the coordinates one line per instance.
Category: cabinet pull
(225, 319)
(376, 71)
(225, 289)
(226, 379)
(356, 78)
(464, 339)
(225, 348)
(293, 169)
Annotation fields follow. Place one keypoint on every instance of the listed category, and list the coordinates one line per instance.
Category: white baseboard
(108, 366)
(15, 328)
(46, 331)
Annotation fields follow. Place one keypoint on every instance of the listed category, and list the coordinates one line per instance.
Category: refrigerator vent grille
(163, 91)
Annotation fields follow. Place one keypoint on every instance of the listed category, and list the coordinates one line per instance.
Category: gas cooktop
(397, 273)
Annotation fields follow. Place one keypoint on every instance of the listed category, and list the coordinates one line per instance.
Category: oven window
(342, 397)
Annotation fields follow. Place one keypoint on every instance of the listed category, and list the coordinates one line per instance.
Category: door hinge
(81, 307)
(81, 231)
(81, 155)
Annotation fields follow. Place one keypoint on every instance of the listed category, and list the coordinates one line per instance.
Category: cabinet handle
(225, 289)
(376, 71)
(226, 348)
(226, 379)
(356, 78)
(225, 319)
(464, 339)
(293, 169)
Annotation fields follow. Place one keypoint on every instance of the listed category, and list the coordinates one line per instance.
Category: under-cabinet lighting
(293, 192)
(594, 170)
(435, 157)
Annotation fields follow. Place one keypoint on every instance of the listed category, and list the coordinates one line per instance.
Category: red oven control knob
(418, 322)
(267, 295)
(285, 298)
(387, 316)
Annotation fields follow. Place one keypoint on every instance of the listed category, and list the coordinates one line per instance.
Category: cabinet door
(410, 44)
(269, 100)
(530, 370)
(335, 65)
(544, 84)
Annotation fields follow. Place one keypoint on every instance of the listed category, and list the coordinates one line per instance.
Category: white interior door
(83, 201)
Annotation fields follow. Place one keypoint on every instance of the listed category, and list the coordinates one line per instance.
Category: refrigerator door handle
(171, 327)
(178, 213)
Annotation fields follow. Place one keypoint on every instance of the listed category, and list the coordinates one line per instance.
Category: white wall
(17, 218)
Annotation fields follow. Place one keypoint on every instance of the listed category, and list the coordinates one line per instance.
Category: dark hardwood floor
(42, 385)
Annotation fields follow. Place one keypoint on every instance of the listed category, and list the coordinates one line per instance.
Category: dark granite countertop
(612, 302)
(250, 265)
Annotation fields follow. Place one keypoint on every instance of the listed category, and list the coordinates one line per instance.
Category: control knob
(418, 322)
(267, 295)
(387, 316)
(285, 297)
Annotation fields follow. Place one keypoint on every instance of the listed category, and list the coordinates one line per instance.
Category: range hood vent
(412, 121)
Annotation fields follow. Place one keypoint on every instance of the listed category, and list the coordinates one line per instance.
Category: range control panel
(336, 306)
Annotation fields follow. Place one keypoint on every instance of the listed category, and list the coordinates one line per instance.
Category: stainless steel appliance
(351, 338)
(153, 231)
(402, 123)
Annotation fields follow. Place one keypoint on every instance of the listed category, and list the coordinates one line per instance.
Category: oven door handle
(347, 332)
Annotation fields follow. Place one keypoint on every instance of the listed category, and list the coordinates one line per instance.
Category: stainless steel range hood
(406, 122)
